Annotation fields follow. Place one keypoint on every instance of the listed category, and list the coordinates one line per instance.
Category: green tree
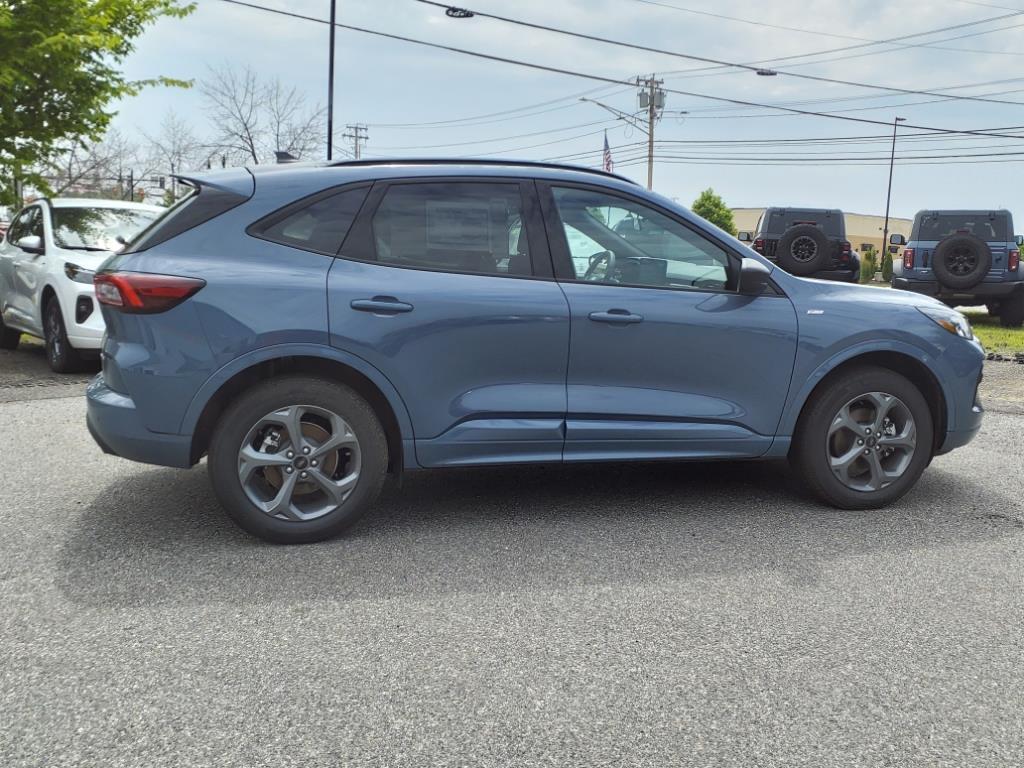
(887, 267)
(59, 74)
(868, 265)
(710, 206)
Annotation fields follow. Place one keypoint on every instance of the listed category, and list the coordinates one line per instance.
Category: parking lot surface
(591, 615)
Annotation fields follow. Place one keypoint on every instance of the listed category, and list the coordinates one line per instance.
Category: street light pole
(330, 85)
(888, 194)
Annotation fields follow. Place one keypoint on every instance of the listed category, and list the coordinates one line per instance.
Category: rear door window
(475, 227)
(779, 221)
(320, 225)
(982, 225)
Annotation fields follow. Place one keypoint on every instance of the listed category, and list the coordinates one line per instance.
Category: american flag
(608, 164)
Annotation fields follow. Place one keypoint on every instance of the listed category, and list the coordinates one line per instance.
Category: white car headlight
(78, 274)
(949, 319)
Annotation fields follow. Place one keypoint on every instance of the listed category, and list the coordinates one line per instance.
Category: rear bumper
(839, 275)
(983, 290)
(115, 425)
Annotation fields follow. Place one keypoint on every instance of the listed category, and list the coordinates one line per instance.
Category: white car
(47, 261)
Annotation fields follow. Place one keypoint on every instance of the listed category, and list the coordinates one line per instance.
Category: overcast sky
(384, 82)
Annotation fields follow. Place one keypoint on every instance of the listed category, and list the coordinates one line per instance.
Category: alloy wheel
(299, 463)
(804, 248)
(962, 261)
(871, 441)
(54, 345)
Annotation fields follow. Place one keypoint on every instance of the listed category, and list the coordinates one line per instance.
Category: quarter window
(616, 240)
(458, 226)
(321, 225)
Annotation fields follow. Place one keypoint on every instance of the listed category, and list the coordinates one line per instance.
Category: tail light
(844, 251)
(138, 293)
(759, 245)
(908, 258)
(1012, 260)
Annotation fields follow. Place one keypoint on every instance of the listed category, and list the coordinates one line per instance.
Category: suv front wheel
(1011, 311)
(863, 440)
(298, 459)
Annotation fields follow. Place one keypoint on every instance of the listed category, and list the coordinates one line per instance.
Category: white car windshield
(100, 229)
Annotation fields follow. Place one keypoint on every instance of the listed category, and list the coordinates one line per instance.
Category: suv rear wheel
(298, 459)
(9, 337)
(863, 440)
(1011, 311)
(803, 250)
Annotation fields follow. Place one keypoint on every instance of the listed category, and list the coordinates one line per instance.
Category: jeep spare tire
(961, 261)
(803, 249)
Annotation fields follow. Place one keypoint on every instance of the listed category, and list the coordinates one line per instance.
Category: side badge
(815, 311)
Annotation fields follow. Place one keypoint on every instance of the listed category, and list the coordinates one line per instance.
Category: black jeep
(810, 242)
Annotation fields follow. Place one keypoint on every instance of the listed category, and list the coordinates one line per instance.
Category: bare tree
(174, 149)
(102, 168)
(254, 119)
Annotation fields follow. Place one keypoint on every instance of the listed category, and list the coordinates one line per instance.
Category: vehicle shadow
(159, 536)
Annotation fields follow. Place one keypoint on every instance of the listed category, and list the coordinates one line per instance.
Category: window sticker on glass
(459, 226)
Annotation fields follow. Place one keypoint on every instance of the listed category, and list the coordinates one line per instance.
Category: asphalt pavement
(658, 615)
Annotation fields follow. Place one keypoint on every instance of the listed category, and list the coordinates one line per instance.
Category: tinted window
(459, 226)
(936, 227)
(614, 240)
(98, 228)
(830, 222)
(18, 226)
(321, 225)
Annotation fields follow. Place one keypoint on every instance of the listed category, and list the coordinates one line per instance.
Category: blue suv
(310, 329)
(964, 258)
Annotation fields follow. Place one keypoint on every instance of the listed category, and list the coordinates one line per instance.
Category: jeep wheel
(1011, 311)
(863, 440)
(961, 261)
(803, 250)
(297, 459)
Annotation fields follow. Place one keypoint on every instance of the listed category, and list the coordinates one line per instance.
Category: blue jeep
(964, 258)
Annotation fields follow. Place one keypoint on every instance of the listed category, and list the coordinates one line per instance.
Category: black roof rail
(477, 161)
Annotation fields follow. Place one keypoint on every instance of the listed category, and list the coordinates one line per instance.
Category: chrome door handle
(617, 316)
(381, 305)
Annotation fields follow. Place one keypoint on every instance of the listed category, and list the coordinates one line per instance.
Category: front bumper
(981, 290)
(83, 320)
(115, 425)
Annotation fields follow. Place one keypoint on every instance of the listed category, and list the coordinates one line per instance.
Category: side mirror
(754, 277)
(1019, 240)
(745, 237)
(31, 244)
(897, 240)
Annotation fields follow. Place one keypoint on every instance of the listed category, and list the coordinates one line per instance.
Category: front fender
(798, 398)
(211, 386)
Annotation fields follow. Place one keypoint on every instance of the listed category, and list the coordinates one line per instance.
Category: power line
(720, 62)
(822, 33)
(604, 79)
(502, 138)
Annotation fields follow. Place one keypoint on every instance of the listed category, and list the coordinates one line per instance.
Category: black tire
(236, 424)
(9, 338)
(961, 261)
(1011, 311)
(803, 250)
(63, 358)
(809, 456)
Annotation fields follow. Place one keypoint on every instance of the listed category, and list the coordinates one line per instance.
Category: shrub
(868, 266)
(887, 267)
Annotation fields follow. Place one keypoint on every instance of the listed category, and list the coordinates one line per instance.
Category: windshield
(101, 229)
(982, 225)
(830, 222)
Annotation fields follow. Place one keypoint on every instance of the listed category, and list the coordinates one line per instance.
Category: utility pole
(330, 85)
(358, 134)
(888, 194)
(652, 98)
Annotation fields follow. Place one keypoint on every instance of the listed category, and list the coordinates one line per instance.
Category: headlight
(77, 273)
(949, 319)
